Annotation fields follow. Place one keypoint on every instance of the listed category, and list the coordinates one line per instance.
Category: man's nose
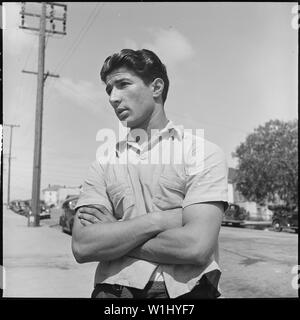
(114, 97)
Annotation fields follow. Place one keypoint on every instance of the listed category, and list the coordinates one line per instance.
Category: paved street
(257, 263)
(39, 262)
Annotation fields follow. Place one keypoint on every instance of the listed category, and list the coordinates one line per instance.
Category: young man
(152, 224)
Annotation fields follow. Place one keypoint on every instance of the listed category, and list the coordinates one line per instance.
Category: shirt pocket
(169, 192)
(121, 197)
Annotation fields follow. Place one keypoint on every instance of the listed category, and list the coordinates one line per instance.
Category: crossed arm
(177, 236)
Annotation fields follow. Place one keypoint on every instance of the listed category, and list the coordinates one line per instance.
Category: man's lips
(121, 109)
(122, 112)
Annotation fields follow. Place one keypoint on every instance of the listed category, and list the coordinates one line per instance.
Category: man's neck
(158, 121)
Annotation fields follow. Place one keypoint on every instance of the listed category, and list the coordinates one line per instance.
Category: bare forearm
(172, 246)
(169, 247)
(193, 243)
(108, 241)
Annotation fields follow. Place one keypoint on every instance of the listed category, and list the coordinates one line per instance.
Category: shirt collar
(170, 130)
(174, 130)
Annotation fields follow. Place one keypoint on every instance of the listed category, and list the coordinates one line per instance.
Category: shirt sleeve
(94, 188)
(206, 178)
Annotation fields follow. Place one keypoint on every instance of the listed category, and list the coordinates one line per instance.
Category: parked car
(234, 215)
(15, 206)
(44, 210)
(66, 219)
(284, 218)
(23, 207)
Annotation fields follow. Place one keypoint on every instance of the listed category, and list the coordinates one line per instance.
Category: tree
(268, 163)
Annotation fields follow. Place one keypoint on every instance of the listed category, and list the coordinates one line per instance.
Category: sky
(232, 67)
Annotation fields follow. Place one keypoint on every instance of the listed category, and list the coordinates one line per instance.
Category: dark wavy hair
(144, 63)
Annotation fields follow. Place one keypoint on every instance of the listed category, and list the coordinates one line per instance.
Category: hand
(94, 214)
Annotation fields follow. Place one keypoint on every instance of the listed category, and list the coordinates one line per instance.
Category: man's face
(130, 97)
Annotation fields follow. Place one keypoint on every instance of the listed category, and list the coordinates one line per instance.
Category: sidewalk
(47, 268)
(258, 224)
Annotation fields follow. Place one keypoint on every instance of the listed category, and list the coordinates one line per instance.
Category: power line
(80, 37)
(82, 31)
(77, 92)
(95, 12)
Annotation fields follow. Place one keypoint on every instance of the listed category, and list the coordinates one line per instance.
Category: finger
(91, 210)
(95, 217)
(91, 214)
(105, 217)
(85, 222)
(104, 210)
(88, 217)
(96, 212)
(87, 210)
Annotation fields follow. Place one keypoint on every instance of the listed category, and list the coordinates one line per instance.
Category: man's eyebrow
(121, 79)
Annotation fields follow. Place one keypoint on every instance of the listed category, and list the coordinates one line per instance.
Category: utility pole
(34, 218)
(9, 158)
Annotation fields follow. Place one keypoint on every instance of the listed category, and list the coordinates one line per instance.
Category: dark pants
(205, 289)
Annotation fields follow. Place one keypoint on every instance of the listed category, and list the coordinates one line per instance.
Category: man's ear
(158, 87)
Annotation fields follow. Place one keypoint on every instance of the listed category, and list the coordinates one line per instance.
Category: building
(256, 211)
(56, 194)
